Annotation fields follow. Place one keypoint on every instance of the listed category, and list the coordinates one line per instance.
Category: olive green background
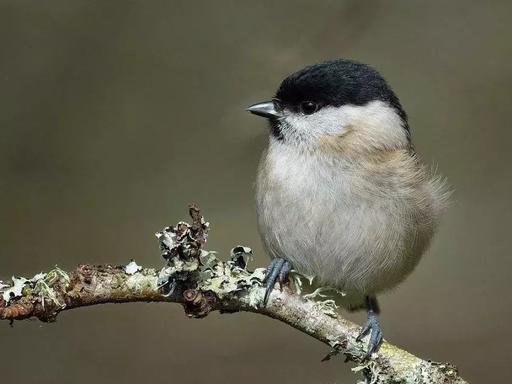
(116, 114)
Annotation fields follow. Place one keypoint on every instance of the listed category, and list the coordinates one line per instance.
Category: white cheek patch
(376, 123)
(327, 121)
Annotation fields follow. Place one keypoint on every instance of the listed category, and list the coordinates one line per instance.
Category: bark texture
(201, 282)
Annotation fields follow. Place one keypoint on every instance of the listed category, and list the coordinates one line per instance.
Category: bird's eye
(308, 107)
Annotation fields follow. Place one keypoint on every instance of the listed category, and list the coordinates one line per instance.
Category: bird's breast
(334, 221)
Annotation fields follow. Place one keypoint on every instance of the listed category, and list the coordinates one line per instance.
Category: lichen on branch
(200, 281)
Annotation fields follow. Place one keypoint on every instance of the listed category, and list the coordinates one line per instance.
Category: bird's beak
(265, 109)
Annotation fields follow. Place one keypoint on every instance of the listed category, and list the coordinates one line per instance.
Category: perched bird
(341, 194)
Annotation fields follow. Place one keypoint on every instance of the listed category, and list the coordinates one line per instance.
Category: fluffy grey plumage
(341, 193)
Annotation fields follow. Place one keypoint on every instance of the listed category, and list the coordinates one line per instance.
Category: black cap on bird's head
(333, 83)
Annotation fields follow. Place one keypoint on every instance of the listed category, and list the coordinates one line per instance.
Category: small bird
(341, 193)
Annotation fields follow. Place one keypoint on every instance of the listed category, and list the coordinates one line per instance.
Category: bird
(341, 193)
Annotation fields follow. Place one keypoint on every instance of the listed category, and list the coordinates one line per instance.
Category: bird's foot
(372, 326)
(278, 270)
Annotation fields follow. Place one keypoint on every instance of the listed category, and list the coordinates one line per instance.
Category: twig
(202, 283)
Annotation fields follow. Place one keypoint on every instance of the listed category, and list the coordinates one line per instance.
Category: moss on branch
(201, 282)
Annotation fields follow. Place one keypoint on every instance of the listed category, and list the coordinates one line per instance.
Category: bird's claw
(372, 326)
(278, 270)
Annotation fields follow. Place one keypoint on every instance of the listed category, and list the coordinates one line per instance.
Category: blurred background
(114, 115)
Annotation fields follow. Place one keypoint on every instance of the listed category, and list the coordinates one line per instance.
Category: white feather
(343, 198)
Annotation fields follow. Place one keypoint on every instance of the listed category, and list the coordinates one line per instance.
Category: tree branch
(202, 283)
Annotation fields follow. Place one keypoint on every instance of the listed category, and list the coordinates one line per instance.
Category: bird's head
(338, 105)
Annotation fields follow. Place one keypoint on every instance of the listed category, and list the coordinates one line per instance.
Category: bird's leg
(372, 326)
(277, 270)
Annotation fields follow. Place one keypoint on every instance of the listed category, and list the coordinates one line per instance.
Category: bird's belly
(352, 242)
